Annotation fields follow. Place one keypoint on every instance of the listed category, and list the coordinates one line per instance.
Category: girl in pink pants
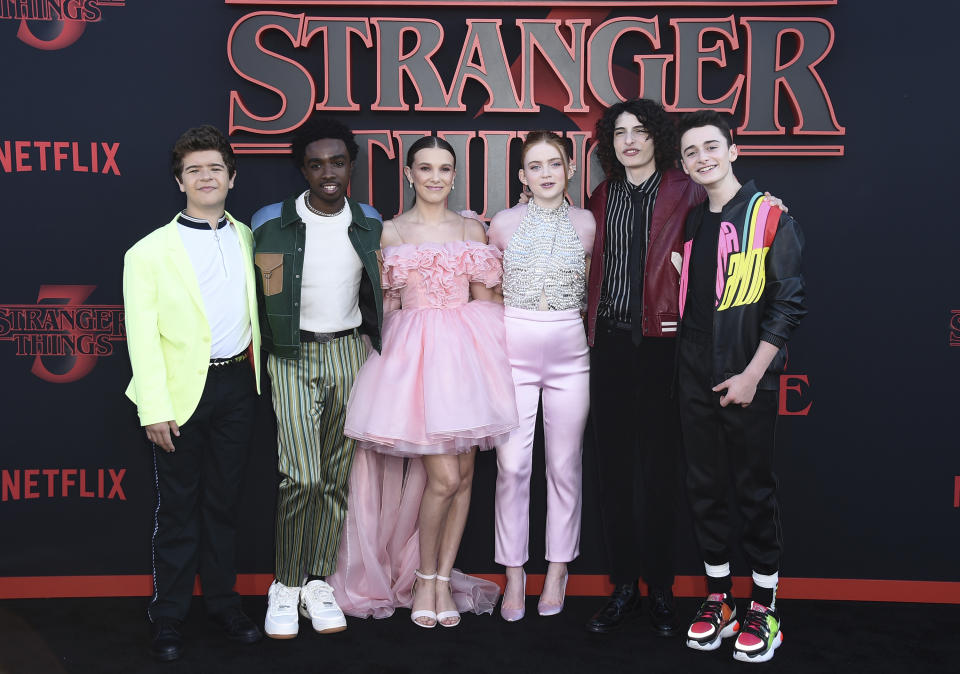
(545, 246)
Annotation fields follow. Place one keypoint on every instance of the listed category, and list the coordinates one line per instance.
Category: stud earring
(411, 184)
(452, 187)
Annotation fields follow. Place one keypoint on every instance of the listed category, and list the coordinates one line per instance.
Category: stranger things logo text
(62, 335)
(506, 69)
(53, 24)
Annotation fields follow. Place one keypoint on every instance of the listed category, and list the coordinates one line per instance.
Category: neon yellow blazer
(168, 336)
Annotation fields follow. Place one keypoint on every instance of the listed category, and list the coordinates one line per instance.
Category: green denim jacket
(279, 236)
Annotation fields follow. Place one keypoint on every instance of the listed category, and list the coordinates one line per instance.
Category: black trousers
(637, 438)
(724, 442)
(198, 487)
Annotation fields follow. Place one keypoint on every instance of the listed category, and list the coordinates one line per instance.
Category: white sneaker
(282, 621)
(318, 604)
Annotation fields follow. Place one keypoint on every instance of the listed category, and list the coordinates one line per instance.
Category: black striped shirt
(615, 292)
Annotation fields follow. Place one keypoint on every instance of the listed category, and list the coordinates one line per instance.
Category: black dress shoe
(167, 642)
(238, 626)
(663, 612)
(624, 604)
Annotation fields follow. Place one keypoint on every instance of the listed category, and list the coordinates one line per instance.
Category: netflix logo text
(25, 156)
(49, 483)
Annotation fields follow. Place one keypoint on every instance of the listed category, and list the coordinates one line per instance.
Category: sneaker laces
(286, 597)
(319, 591)
(755, 622)
(711, 611)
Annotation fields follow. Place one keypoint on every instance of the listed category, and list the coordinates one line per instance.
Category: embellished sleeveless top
(544, 265)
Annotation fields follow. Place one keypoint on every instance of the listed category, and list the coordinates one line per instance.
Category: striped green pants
(310, 400)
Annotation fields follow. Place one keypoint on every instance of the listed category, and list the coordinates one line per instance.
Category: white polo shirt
(218, 263)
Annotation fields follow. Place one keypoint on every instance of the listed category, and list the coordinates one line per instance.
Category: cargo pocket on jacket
(270, 266)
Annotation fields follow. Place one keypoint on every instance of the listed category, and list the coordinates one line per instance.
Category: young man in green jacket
(321, 309)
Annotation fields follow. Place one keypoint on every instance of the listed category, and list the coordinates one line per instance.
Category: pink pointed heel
(512, 615)
(545, 609)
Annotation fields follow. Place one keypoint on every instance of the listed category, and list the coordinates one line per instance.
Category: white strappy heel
(443, 615)
(423, 613)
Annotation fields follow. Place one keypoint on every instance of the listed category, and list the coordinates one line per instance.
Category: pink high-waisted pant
(548, 351)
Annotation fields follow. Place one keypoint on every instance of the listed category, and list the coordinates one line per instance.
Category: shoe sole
(765, 656)
(249, 639)
(597, 629)
(280, 632)
(669, 632)
(728, 631)
(165, 657)
(324, 627)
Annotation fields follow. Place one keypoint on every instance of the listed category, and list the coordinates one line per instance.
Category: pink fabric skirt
(441, 385)
(379, 547)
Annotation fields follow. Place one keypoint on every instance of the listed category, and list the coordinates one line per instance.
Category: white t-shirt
(330, 287)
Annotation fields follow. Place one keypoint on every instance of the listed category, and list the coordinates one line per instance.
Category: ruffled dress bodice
(438, 275)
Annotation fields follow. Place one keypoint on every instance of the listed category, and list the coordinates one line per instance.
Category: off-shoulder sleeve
(485, 264)
(397, 263)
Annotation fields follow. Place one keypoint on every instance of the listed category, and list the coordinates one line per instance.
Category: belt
(324, 337)
(223, 362)
(611, 324)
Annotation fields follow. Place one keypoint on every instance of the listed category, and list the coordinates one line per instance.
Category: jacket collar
(289, 215)
(745, 193)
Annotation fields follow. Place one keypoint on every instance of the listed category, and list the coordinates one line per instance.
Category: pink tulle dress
(441, 385)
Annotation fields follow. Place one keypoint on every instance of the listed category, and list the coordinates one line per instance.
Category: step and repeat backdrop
(838, 108)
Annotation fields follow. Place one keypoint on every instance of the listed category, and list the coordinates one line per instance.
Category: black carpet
(40, 636)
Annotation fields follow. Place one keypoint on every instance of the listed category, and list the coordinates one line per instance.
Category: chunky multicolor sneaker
(715, 620)
(759, 636)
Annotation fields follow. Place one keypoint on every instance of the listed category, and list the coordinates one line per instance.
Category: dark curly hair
(198, 139)
(318, 128)
(658, 124)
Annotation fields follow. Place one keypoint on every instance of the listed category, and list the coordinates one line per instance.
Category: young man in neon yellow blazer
(194, 341)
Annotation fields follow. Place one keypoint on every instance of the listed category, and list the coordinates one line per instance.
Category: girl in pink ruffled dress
(440, 388)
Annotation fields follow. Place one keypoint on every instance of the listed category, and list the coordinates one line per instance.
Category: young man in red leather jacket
(632, 318)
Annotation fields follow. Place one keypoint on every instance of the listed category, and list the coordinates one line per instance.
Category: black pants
(637, 438)
(198, 487)
(720, 442)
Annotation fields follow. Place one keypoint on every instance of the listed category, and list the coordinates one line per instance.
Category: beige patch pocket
(271, 272)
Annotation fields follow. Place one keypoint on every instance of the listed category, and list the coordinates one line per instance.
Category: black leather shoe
(238, 626)
(624, 604)
(663, 612)
(167, 642)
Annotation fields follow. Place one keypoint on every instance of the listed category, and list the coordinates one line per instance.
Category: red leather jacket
(676, 196)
